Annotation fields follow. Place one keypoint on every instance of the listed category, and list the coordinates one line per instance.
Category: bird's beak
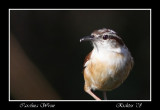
(86, 38)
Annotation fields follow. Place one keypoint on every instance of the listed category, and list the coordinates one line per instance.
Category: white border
(80, 9)
(9, 55)
(150, 55)
(84, 100)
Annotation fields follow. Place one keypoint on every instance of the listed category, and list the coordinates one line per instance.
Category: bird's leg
(104, 95)
(92, 94)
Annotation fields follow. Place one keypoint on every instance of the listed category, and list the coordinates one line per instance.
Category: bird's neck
(102, 53)
(105, 49)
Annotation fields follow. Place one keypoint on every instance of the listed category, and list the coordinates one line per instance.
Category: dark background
(50, 38)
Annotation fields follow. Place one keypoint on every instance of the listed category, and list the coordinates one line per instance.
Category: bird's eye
(105, 37)
(92, 36)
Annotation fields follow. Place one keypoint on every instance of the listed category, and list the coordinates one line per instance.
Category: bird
(108, 65)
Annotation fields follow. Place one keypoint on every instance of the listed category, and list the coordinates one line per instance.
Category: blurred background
(46, 57)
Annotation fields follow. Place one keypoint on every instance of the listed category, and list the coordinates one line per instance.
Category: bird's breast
(106, 72)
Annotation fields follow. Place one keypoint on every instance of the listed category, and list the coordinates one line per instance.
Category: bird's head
(104, 38)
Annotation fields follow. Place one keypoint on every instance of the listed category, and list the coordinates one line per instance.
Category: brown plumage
(108, 64)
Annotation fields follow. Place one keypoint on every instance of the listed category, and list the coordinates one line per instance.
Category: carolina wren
(108, 64)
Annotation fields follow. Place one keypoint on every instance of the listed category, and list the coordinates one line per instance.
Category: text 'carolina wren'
(108, 64)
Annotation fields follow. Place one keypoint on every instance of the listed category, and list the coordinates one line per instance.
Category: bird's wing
(87, 58)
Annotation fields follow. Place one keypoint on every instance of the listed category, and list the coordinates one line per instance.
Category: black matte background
(51, 40)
